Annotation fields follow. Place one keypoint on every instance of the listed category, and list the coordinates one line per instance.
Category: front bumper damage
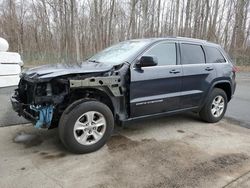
(20, 108)
(37, 101)
(41, 116)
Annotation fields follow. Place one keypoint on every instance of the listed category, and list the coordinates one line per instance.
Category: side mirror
(147, 61)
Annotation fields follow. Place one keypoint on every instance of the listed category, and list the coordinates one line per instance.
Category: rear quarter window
(192, 54)
(213, 55)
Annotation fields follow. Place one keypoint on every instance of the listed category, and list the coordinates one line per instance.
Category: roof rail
(191, 39)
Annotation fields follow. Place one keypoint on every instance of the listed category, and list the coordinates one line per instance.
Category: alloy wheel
(90, 128)
(218, 106)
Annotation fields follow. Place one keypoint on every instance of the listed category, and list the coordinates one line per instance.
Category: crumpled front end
(38, 102)
(43, 100)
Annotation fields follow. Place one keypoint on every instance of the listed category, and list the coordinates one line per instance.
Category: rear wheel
(85, 126)
(215, 106)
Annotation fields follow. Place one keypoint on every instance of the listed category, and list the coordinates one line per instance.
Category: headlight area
(39, 102)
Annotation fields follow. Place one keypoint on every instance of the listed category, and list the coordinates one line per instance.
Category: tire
(212, 111)
(85, 126)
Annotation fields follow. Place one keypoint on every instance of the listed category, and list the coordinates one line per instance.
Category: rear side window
(165, 53)
(214, 55)
(192, 54)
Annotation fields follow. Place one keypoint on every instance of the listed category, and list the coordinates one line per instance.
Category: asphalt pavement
(7, 115)
(238, 108)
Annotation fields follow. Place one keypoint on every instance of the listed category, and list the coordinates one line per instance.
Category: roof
(182, 39)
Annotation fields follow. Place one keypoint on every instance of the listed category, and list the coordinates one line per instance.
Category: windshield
(120, 52)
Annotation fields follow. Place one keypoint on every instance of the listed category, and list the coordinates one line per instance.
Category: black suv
(131, 80)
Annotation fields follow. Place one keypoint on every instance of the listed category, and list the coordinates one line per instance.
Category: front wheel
(215, 107)
(85, 126)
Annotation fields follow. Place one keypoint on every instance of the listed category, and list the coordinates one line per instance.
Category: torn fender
(112, 82)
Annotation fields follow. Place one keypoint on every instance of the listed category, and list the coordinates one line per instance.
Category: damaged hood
(55, 70)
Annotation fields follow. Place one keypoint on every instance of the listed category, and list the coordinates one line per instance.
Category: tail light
(235, 69)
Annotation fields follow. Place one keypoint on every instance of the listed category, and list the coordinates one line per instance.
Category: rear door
(156, 89)
(197, 74)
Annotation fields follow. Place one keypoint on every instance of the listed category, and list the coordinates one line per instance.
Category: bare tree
(46, 31)
(187, 17)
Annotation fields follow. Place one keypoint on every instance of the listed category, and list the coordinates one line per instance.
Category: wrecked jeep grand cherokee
(131, 80)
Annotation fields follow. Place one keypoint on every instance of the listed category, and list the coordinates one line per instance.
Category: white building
(10, 65)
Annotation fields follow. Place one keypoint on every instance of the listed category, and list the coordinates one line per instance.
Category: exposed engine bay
(43, 100)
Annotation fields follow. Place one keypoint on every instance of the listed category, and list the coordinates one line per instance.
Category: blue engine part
(45, 115)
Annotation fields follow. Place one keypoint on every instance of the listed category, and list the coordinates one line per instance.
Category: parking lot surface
(165, 152)
(178, 151)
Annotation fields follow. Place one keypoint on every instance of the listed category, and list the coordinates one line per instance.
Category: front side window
(192, 54)
(164, 52)
(214, 55)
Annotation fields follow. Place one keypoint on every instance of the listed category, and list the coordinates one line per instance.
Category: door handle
(174, 71)
(209, 68)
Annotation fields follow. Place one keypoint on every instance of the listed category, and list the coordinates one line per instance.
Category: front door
(156, 89)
